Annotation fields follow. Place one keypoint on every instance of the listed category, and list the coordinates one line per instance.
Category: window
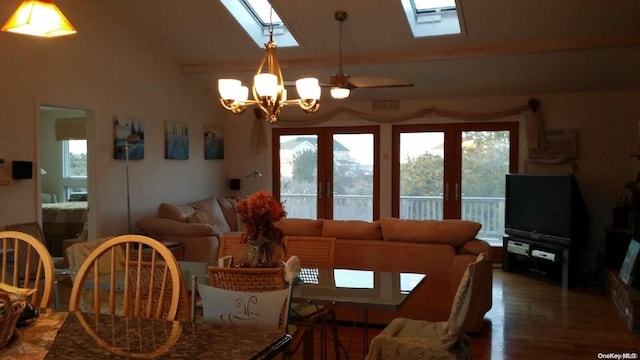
(433, 17)
(327, 173)
(257, 18)
(454, 171)
(74, 158)
(74, 170)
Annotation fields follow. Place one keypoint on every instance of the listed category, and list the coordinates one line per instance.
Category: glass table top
(364, 288)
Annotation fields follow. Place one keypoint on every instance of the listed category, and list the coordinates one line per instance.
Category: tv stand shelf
(553, 263)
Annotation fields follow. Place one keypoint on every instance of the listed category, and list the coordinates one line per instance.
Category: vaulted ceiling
(517, 47)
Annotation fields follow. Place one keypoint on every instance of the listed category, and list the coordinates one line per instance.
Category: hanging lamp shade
(39, 18)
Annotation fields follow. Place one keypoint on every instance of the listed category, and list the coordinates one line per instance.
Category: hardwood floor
(530, 319)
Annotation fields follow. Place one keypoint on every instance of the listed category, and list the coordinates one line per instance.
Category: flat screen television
(545, 207)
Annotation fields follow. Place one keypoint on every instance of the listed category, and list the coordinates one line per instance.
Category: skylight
(432, 17)
(256, 18)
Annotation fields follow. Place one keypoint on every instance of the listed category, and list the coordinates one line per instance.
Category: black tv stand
(542, 260)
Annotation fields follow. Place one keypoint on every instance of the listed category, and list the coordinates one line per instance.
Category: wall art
(128, 131)
(176, 142)
(213, 143)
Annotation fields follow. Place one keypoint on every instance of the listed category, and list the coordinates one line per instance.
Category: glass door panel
(421, 175)
(485, 161)
(352, 192)
(299, 175)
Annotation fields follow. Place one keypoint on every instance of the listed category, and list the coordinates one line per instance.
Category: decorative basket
(11, 306)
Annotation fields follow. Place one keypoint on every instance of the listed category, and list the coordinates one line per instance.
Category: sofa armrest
(475, 247)
(158, 225)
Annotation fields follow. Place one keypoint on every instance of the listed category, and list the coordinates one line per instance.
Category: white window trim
(260, 34)
(438, 23)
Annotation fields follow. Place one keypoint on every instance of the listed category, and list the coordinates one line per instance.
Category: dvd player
(544, 255)
(519, 248)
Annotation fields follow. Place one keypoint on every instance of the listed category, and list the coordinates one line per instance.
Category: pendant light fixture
(269, 93)
(39, 18)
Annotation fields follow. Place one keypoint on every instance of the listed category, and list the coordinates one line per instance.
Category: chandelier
(269, 93)
(39, 18)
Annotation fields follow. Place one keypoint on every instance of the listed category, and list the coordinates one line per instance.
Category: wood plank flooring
(530, 319)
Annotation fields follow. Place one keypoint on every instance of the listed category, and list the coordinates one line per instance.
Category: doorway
(63, 172)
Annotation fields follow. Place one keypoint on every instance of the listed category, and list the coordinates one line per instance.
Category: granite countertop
(77, 335)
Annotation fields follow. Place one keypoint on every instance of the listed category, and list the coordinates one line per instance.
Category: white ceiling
(517, 47)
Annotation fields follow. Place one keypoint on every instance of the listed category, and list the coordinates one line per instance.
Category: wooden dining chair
(150, 293)
(419, 339)
(314, 252)
(254, 280)
(34, 229)
(26, 263)
(114, 264)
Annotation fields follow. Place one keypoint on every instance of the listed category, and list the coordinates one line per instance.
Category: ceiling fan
(342, 84)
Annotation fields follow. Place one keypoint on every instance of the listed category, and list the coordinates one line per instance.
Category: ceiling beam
(512, 48)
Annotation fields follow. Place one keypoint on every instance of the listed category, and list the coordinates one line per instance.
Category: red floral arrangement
(259, 212)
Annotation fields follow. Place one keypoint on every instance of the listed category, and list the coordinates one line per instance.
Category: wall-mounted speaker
(22, 170)
(234, 184)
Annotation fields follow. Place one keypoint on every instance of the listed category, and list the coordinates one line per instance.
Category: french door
(327, 173)
(454, 171)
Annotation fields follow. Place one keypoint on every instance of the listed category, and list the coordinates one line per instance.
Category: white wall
(109, 69)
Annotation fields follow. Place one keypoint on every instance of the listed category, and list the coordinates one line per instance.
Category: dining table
(77, 335)
(364, 289)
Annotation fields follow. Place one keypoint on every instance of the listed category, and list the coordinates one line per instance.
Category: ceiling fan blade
(377, 82)
(292, 83)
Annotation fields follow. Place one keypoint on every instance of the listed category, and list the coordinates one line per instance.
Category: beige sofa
(197, 225)
(440, 249)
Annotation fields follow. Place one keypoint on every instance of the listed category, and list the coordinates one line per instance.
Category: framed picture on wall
(213, 143)
(630, 263)
(130, 132)
(176, 140)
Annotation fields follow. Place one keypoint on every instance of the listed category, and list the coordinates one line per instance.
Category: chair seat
(416, 331)
(415, 340)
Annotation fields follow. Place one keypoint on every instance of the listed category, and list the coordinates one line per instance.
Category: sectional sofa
(441, 249)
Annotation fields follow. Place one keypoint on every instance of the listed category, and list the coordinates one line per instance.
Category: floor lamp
(131, 139)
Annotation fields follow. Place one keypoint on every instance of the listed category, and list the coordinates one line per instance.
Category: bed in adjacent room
(63, 220)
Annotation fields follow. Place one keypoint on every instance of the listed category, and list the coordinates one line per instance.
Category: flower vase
(260, 256)
(261, 252)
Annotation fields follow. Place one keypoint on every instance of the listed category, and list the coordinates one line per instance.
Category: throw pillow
(241, 225)
(199, 217)
(175, 212)
(228, 206)
(212, 209)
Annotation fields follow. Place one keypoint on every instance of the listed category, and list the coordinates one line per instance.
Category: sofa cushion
(352, 229)
(211, 208)
(175, 212)
(199, 217)
(228, 206)
(300, 227)
(451, 231)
